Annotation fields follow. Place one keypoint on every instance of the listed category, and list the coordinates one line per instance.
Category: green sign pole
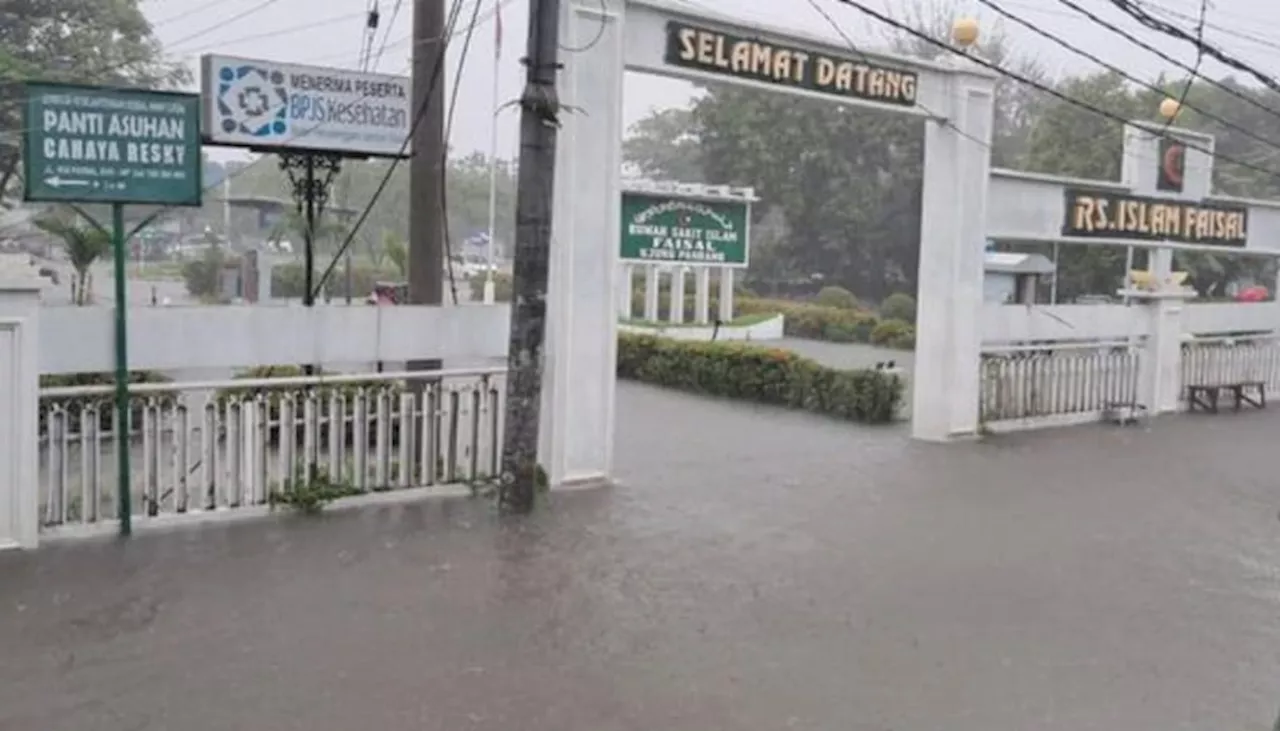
(124, 479)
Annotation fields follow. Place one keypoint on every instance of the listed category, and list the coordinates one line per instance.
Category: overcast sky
(330, 33)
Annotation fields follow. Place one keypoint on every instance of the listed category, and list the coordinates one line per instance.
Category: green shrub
(899, 306)
(838, 297)
(894, 334)
(74, 405)
(289, 280)
(501, 287)
(761, 374)
(203, 276)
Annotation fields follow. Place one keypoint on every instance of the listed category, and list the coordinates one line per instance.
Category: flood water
(753, 570)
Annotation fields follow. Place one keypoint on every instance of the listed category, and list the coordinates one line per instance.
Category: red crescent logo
(1172, 164)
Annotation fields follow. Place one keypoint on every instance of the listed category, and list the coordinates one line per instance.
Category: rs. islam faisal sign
(671, 229)
(1104, 214)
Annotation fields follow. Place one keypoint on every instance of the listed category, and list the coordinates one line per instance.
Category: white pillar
(19, 402)
(624, 292)
(957, 163)
(726, 294)
(676, 313)
(652, 288)
(1160, 371)
(581, 351)
(702, 295)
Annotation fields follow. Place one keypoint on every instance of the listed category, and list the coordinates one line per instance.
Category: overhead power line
(1166, 57)
(1186, 88)
(1087, 106)
(1124, 74)
(418, 116)
(223, 23)
(1139, 13)
(853, 47)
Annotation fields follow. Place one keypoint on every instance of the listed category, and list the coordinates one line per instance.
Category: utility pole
(426, 177)
(539, 121)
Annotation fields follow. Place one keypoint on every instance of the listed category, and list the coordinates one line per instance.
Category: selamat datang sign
(279, 106)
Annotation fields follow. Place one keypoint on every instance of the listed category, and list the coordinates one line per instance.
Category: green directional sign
(92, 144)
(660, 228)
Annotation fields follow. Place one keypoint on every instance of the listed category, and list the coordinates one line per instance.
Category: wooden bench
(1206, 396)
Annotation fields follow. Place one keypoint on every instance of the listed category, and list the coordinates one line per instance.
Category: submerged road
(755, 570)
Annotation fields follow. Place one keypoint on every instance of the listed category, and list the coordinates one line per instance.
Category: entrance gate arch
(660, 37)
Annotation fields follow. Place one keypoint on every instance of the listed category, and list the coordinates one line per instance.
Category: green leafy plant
(899, 306)
(761, 374)
(203, 276)
(501, 287)
(838, 297)
(310, 490)
(894, 334)
(83, 244)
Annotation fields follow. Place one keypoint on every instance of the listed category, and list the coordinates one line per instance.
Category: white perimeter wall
(80, 339)
(1003, 324)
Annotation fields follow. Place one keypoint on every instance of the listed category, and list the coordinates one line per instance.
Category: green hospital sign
(662, 228)
(103, 145)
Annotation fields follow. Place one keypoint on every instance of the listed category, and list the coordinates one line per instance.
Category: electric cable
(604, 19)
(1136, 11)
(1165, 56)
(419, 115)
(1107, 114)
(274, 33)
(239, 16)
(835, 25)
(187, 14)
(1186, 88)
(395, 13)
(1126, 75)
(444, 161)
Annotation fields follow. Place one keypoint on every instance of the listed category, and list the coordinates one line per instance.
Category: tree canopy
(83, 41)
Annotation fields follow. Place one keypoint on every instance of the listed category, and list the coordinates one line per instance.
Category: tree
(397, 251)
(84, 41)
(84, 244)
(664, 145)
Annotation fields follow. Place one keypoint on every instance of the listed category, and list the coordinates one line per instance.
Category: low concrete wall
(770, 329)
(79, 339)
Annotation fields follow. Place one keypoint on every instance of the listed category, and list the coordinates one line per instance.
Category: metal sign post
(91, 144)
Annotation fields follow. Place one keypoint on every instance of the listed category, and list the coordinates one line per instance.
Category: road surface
(755, 570)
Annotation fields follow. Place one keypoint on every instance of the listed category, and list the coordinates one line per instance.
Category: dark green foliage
(761, 374)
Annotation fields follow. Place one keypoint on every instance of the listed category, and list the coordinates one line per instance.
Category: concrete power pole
(426, 176)
(539, 118)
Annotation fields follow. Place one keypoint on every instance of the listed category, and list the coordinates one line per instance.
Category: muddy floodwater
(753, 570)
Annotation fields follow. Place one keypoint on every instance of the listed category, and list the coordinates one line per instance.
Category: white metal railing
(1057, 380)
(223, 445)
(1225, 360)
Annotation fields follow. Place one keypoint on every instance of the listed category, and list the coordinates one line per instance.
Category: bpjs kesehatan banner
(270, 105)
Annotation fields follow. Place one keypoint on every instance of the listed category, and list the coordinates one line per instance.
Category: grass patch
(740, 321)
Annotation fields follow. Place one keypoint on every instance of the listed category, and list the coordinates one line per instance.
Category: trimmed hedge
(760, 374)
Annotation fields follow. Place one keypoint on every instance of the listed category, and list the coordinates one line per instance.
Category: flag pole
(489, 292)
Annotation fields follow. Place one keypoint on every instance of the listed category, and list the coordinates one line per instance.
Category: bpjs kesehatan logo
(253, 101)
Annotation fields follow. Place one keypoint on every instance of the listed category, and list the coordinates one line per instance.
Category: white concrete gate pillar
(1160, 369)
(578, 385)
(19, 401)
(957, 162)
